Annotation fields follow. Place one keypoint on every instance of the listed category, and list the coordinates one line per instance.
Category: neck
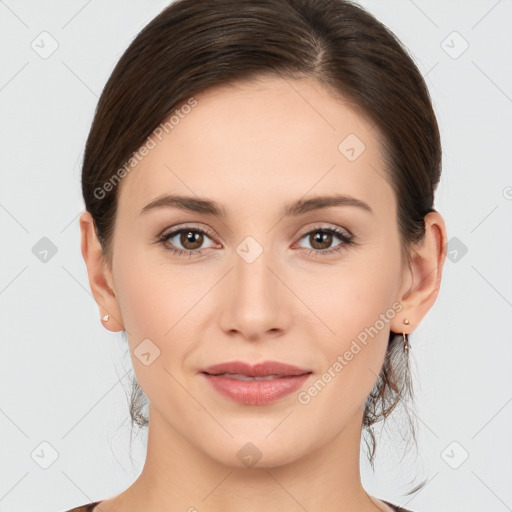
(178, 476)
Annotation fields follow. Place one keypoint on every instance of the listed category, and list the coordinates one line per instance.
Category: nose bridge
(252, 264)
(253, 279)
(255, 305)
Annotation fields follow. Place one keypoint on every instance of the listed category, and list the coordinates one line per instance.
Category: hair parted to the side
(193, 45)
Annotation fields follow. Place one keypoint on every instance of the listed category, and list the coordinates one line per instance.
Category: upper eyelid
(325, 227)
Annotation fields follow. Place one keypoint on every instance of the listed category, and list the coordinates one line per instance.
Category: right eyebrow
(193, 204)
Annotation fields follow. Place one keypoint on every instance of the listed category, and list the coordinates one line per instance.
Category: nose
(256, 303)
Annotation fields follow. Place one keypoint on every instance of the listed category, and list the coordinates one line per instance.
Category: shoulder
(84, 508)
(396, 507)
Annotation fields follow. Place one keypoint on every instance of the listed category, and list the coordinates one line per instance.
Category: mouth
(267, 369)
(239, 376)
(258, 384)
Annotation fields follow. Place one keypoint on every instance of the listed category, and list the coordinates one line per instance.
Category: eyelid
(192, 226)
(324, 226)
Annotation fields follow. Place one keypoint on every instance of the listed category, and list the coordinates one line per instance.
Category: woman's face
(258, 284)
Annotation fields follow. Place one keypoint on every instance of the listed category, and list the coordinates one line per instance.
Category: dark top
(90, 506)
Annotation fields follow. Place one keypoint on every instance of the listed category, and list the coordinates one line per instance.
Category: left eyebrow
(318, 202)
(296, 208)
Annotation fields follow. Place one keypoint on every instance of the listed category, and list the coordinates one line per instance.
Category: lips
(258, 384)
(265, 369)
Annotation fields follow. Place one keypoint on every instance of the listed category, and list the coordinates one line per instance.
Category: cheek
(353, 297)
(154, 293)
(162, 305)
(146, 306)
(357, 303)
(154, 311)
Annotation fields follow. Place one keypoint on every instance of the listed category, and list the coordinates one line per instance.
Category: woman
(259, 183)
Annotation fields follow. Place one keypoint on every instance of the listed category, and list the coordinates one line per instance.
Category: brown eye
(191, 240)
(320, 240)
(187, 241)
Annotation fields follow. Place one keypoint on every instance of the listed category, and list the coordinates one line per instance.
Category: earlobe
(425, 268)
(99, 275)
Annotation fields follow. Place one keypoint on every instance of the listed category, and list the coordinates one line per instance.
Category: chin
(255, 451)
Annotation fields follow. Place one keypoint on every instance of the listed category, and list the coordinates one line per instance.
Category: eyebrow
(207, 206)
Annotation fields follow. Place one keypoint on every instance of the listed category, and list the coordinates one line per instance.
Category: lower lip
(256, 392)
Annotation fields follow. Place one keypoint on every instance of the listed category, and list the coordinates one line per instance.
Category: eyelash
(347, 240)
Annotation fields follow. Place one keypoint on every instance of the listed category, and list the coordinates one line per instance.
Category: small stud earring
(105, 318)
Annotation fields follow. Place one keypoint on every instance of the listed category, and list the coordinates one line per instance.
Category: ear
(100, 275)
(422, 279)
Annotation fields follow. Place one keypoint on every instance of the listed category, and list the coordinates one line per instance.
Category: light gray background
(63, 376)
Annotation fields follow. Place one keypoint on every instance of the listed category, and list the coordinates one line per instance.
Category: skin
(252, 148)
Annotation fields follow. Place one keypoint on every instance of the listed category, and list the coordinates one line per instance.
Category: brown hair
(193, 45)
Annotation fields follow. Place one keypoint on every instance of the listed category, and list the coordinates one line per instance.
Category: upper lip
(255, 370)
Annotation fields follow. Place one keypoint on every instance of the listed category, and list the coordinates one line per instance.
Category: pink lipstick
(258, 384)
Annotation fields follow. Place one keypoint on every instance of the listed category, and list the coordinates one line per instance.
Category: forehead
(250, 144)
